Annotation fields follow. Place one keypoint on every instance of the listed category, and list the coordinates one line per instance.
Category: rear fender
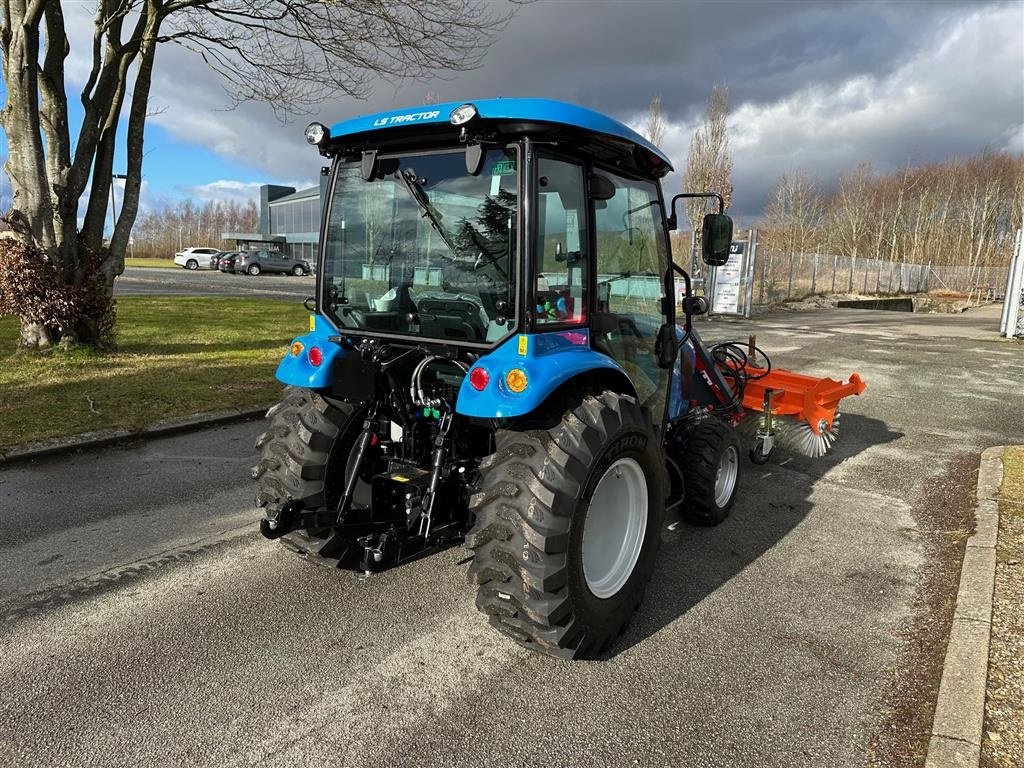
(296, 369)
(549, 360)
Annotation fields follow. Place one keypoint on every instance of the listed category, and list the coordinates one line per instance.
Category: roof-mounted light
(317, 134)
(462, 115)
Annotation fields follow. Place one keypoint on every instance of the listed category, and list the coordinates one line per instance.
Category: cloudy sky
(819, 86)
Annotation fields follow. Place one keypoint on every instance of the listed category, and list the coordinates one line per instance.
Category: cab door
(632, 257)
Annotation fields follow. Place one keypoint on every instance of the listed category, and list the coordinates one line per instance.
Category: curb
(105, 437)
(960, 710)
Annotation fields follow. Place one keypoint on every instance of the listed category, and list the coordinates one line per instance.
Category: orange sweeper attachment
(780, 407)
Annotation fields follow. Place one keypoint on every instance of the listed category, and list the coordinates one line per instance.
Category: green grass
(1011, 493)
(160, 263)
(175, 356)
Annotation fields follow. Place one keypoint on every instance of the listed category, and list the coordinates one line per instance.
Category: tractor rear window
(424, 248)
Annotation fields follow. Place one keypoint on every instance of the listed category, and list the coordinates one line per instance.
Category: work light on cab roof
(462, 115)
(494, 360)
(317, 133)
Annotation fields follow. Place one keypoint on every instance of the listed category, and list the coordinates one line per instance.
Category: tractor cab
(494, 359)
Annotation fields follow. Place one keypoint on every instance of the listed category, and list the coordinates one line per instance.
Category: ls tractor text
(496, 359)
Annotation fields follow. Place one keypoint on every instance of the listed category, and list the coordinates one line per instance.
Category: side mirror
(666, 345)
(715, 239)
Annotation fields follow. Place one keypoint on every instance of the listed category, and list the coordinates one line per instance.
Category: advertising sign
(728, 289)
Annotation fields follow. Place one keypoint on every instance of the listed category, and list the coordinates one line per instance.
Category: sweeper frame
(494, 360)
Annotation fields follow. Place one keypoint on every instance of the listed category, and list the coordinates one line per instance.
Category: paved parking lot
(144, 622)
(143, 281)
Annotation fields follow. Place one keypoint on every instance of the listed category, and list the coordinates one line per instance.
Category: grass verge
(176, 356)
(1003, 740)
(156, 263)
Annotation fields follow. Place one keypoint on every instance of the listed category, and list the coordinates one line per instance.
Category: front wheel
(191, 264)
(711, 472)
(298, 271)
(567, 527)
(254, 269)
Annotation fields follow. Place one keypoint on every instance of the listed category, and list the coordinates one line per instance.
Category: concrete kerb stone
(960, 709)
(106, 437)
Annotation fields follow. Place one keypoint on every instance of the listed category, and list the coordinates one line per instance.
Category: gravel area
(1003, 742)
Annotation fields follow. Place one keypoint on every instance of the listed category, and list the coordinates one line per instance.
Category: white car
(196, 258)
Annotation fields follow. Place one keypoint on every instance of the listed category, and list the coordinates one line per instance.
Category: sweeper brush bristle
(798, 436)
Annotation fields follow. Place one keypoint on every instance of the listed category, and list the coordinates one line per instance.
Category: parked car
(255, 262)
(196, 258)
(226, 261)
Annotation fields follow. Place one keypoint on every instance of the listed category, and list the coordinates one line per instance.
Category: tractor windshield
(424, 248)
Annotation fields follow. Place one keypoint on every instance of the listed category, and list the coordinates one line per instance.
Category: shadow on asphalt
(771, 502)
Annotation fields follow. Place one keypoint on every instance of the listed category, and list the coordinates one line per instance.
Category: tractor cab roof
(591, 132)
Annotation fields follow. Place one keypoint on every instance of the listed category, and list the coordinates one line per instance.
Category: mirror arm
(688, 322)
(673, 220)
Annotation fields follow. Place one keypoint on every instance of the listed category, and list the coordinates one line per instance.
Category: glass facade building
(289, 222)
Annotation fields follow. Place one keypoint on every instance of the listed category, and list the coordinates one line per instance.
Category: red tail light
(315, 356)
(478, 378)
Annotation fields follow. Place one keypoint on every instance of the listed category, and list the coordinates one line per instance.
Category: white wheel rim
(614, 530)
(725, 477)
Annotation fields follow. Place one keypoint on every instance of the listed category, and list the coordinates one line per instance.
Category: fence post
(866, 270)
(928, 277)
(853, 264)
(750, 271)
(814, 274)
(789, 290)
(835, 268)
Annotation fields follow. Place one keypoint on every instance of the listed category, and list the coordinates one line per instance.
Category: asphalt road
(143, 621)
(147, 281)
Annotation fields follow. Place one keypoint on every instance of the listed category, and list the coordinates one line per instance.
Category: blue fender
(296, 369)
(547, 359)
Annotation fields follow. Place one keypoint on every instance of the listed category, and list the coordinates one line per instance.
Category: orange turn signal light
(296, 348)
(515, 380)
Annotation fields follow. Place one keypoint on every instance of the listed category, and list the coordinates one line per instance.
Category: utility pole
(113, 202)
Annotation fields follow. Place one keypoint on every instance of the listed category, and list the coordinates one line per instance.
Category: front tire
(254, 269)
(711, 472)
(298, 271)
(557, 569)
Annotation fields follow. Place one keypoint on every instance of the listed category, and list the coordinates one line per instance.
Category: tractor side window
(632, 257)
(560, 292)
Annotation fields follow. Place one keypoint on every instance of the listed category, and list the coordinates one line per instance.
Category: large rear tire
(711, 472)
(557, 570)
(303, 455)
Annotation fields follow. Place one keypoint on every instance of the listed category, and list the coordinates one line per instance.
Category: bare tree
(794, 213)
(291, 54)
(709, 164)
(852, 209)
(656, 125)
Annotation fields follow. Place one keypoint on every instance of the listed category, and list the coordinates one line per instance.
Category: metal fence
(780, 276)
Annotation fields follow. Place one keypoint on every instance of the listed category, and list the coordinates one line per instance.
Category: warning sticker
(524, 342)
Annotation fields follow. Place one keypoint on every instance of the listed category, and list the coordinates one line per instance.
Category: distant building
(289, 222)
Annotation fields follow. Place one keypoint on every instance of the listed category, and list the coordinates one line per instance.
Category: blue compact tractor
(497, 358)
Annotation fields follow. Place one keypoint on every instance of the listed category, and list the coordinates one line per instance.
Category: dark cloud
(816, 85)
